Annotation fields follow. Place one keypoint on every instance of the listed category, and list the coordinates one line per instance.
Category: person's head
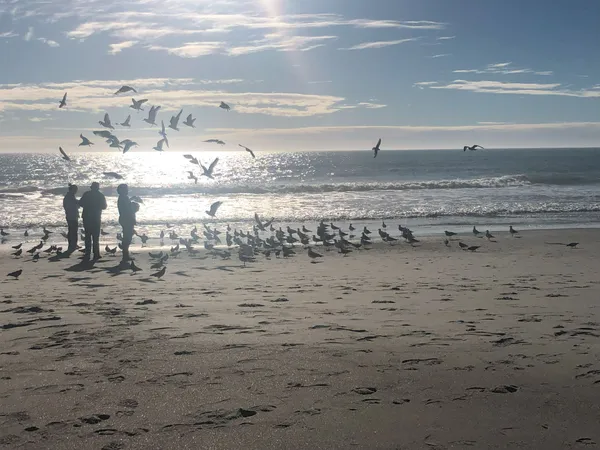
(95, 186)
(72, 188)
(123, 189)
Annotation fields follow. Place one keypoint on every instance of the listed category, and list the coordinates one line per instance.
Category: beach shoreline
(395, 347)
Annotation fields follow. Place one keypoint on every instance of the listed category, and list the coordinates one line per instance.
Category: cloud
(191, 49)
(280, 42)
(120, 46)
(171, 94)
(379, 44)
(503, 69)
(29, 35)
(497, 87)
(440, 55)
(39, 119)
(445, 38)
(49, 42)
(8, 34)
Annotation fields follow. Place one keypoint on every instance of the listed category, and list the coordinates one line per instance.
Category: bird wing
(64, 97)
(378, 144)
(214, 207)
(213, 164)
(260, 224)
(188, 156)
(64, 154)
(475, 146)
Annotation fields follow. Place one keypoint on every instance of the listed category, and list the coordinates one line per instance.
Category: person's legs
(72, 234)
(96, 239)
(88, 239)
(126, 242)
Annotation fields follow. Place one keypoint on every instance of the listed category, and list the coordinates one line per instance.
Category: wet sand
(398, 347)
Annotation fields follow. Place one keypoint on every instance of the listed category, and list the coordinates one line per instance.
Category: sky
(302, 75)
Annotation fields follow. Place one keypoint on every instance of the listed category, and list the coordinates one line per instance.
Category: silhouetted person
(71, 206)
(127, 210)
(93, 203)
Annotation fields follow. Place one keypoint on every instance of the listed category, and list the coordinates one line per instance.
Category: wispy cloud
(48, 42)
(280, 42)
(445, 38)
(504, 68)
(379, 44)
(497, 87)
(191, 49)
(441, 55)
(8, 34)
(97, 95)
(120, 46)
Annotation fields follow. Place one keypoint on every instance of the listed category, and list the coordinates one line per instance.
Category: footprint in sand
(364, 390)
(506, 389)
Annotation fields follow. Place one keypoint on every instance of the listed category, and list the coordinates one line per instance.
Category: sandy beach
(398, 347)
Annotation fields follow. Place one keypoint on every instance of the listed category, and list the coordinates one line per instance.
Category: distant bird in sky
(85, 141)
(208, 172)
(63, 102)
(137, 104)
(64, 155)
(472, 148)
(376, 148)
(189, 121)
(16, 274)
(124, 89)
(224, 106)
(213, 209)
(114, 175)
(163, 132)
(248, 150)
(151, 119)
(159, 145)
(106, 123)
(175, 121)
(126, 123)
(191, 176)
(216, 141)
(128, 143)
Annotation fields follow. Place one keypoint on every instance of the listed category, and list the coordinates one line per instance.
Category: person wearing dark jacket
(93, 203)
(71, 206)
(127, 210)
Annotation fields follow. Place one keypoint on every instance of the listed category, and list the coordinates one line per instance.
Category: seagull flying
(137, 104)
(224, 106)
(248, 150)
(160, 273)
(159, 145)
(85, 141)
(106, 123)
(376, 148)
(213, 209)
(152, 115)
(472, 148)
(124, 89)
(175, 121)
(262, 226)
(191, 176)
(189, 121)
(216, 141)
(63, 102)
(126, 123)
(128, 143)
(163, 132)
(209, 172)
(192, 159)
(64, 155)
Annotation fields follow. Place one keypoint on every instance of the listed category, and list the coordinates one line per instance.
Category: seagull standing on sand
(512, 231)
(248, 150)
(63, 102)
(85, 141)
(160, 273)
(64, 155)
(189, 121)
(312, 254)
(137, 104)
(476, 232)
(472, 148)
(376, 148)
(126, 123)
(208, 172)
(489, 235)
(16, 274)
(151, 119)
(124, 89)
(175, 121)
(213, 209)
(224, 106)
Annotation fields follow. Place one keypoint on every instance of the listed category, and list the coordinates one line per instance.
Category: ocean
(429, 191)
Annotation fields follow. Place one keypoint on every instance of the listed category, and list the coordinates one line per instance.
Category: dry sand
(393, 348)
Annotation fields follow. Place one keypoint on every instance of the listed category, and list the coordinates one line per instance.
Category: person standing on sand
(93, 203)
(127, 210)
(71, 206)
